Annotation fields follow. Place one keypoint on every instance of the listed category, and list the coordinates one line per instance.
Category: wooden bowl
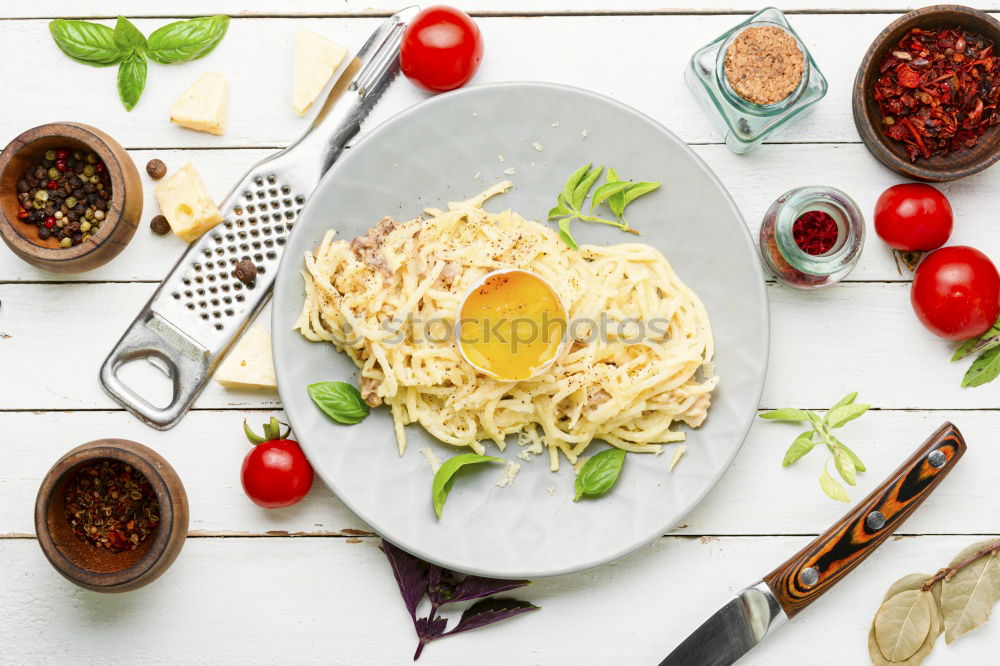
(95, 568)
(124, 209)
(868, 116)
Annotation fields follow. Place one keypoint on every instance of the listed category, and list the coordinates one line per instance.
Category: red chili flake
(938, 91)
(815, 232)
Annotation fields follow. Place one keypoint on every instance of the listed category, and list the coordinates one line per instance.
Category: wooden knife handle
(817, 567)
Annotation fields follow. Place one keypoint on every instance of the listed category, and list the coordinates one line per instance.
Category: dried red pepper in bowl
(926, 94)
(938, 90)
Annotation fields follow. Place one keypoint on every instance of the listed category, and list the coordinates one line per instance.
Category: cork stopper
(764, 64)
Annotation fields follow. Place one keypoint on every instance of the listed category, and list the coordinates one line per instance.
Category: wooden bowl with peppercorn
(926, 93)
(70, 197)
(111, 515)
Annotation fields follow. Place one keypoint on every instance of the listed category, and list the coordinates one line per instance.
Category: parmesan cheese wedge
(186, 204)
(250, 364)
(316, 59)
(204, 105)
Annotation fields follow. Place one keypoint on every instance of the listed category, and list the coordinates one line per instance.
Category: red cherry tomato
(276, 474)
(956, 292)
(913, 217)
(441, 49)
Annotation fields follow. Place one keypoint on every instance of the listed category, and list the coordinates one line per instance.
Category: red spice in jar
(815, 232)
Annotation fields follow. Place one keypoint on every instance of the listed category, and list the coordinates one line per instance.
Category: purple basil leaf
(489, 611)
(410, 574)
(441, 585)
(477, 587)
(427, 630)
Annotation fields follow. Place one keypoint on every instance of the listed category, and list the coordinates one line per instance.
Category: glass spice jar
(743, 123)
(811, 237)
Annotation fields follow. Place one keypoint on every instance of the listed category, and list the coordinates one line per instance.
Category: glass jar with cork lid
(754, 79)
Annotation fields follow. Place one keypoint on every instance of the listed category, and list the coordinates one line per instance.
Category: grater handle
(184, 361)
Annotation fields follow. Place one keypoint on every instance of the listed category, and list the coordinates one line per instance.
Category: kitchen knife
(760, 609)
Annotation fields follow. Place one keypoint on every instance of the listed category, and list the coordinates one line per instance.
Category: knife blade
(757, 611)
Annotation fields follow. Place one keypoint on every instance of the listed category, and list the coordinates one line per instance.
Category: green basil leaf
(131, 79)
(583, 187)
(984, 369)
(445, 476)
(182, 41)
(559, 211)
(599, 473)
(839, 416)
(858, 465)
(128, 37)
(565, 236)
(340, 401)
(616, 202)
(814, 419)
(965, 349)
(985, 342)
(802, 445)
(570, 187)
(832, 487)
(636, 190)
(86, 42)
(786, 414)
(846, 400)
(604, 191)
(845, 465)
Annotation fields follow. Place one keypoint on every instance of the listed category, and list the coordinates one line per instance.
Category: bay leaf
(968, 596)
(902, 624)
(878, 659)
(914, 582)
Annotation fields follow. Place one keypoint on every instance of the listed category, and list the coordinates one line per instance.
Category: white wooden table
(307, 584)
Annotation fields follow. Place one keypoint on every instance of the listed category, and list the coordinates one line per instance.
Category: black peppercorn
(156, 169)
(245, 272)
(159, 225)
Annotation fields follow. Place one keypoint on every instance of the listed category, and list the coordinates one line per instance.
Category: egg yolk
(511, 325)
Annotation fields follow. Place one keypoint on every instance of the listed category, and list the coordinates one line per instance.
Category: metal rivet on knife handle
(854, 537)
(937, 459)
(875, 520)
(809, 577)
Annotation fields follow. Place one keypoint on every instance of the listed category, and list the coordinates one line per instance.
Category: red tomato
(276, 474)
(956, 292)
(441, 49)
(913, 217)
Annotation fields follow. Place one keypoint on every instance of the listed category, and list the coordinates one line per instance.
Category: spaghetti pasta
(636, 364)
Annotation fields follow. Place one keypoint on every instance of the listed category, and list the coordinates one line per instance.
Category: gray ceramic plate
(432, 154)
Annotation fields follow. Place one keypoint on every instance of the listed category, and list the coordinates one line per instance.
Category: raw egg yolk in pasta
(512, 325)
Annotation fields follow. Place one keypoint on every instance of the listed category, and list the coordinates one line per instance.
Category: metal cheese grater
(200, 308)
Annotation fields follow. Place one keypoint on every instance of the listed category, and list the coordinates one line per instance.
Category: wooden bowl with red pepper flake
(925, 101)
(123, 205)
(111, 515)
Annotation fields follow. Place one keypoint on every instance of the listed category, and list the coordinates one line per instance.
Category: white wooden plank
(756, 496)
(857, 336)
(227, 601)
(256, 57)
(65, 8)
(754, 181)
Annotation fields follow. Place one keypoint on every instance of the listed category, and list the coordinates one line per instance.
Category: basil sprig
(99, 46)
(615, 193)
(599, 474)
(848, 464)
(986, 367)
(341, 401)
(444, 478)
